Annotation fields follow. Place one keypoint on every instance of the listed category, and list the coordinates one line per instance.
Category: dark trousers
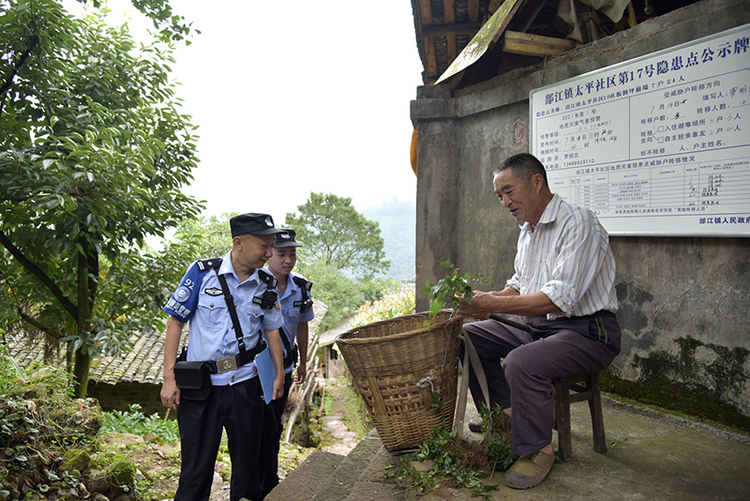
(271, 437)
(520, 366)
(239, 409)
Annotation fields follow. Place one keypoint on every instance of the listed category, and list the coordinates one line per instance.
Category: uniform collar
(291, 285)
(226, 268)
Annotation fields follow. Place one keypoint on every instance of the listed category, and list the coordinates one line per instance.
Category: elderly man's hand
(480, 307)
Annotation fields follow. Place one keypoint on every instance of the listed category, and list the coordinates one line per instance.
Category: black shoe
(476, 425)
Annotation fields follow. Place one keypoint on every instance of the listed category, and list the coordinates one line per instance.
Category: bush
(134, 422)
(392, 305)
(39, 423)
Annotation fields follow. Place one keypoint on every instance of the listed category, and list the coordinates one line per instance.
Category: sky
(296, 97)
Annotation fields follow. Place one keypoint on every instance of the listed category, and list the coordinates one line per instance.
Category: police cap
(286, 239)
(254, 224)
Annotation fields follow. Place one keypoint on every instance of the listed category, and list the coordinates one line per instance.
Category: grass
(342, 399)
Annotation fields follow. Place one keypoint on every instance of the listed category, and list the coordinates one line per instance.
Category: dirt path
(344, 439)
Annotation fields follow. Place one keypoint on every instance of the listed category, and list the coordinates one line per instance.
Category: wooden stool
(573, 389)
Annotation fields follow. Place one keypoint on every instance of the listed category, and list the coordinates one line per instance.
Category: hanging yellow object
(414, 151)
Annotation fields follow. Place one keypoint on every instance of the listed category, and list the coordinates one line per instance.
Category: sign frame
(658, 145)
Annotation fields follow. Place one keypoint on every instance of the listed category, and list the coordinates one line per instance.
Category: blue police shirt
(292, 315)
(200, 300)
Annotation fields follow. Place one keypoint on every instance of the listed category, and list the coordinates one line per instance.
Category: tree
(93, 155)
(211, 236)
(170, 25)
(336, 235)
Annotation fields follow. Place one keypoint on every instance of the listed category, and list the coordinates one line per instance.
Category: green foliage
(170, 25)
(39, 423)
(134, 422)
(452, 288)
(446, 458)
(35, 380)
(336, 235)
(90, 164)
(498, 449)
(437, 401)
(209, 236)
(392, 305)
(340, 398)
(334, 288)
(376, 288)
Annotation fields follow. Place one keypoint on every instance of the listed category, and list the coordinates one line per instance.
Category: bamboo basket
(396, 364)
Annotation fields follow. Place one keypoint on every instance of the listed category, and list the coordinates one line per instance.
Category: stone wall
(682, 300)
(121, 395)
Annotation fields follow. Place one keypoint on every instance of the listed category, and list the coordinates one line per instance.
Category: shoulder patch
(207, 264)
(268, 278)
(302, 283)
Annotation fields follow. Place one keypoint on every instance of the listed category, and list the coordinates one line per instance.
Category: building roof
(142, 364)
(529, 31)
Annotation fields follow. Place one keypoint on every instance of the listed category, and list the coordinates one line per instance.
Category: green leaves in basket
(437, 401)
(452, 288)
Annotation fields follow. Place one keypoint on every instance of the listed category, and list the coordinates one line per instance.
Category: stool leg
(562, 416)
(595, 407)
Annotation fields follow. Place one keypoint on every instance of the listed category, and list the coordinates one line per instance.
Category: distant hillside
(397, 220)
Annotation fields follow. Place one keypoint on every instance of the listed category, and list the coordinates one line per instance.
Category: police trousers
(520, 366)
(270, 440)
(238, 409)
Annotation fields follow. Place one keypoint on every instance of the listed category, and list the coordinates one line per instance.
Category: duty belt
(235, 362)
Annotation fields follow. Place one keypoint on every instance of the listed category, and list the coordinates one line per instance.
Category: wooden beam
(527, 44)
(425, 13)
(474, 10)
(449, 9)
(508, 17)
(428, 47)
(452, 48)
(429, 52)
(470, 28)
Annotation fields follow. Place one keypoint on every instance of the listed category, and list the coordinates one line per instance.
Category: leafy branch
(447, 459)
(453, 287)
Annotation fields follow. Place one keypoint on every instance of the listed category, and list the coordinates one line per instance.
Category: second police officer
(296, 308)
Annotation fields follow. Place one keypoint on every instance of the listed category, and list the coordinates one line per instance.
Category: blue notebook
(266, 373)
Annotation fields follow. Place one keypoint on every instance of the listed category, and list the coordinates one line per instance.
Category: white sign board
(658, 145)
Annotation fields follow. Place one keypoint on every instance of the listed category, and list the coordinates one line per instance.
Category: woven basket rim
(399, 335)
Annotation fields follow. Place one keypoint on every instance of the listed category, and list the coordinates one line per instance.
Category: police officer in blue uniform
(235, 401)
(296, 307)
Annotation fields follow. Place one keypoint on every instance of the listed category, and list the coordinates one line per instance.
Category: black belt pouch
(193, 379)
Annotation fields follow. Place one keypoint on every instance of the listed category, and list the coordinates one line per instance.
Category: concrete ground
(651, 456)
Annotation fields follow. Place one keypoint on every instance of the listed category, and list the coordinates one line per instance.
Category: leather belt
(228, 364)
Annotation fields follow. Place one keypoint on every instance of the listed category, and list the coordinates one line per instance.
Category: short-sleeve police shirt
(290, 307)
(200, 300)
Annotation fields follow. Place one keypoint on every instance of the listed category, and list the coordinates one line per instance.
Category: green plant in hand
(453, 287)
